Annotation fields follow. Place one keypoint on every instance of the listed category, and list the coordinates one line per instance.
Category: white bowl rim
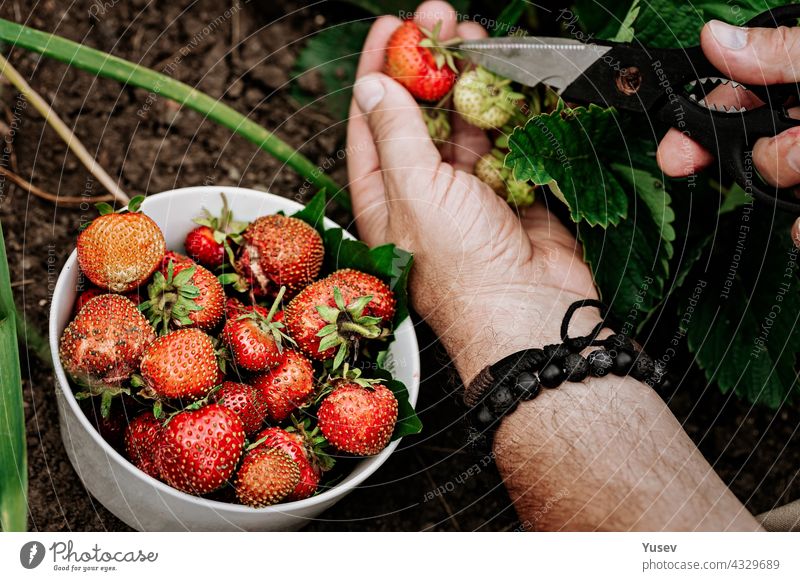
(336, 492)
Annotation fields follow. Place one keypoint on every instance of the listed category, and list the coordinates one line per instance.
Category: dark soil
(153, 146)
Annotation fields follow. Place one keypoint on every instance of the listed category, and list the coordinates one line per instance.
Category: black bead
(527, 386)
(482, 417)
(501, 401)
(623, 361)
(533, 359)
(643, 367)
(576, 367)
(600, 363)
(556, 352)
(619, 342)
(552, 375)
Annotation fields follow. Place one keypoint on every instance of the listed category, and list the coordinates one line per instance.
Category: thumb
(396, 123)
(760, 56)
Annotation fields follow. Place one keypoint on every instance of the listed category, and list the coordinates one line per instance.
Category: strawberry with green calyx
(184, 294)
(200, 448)
(255, 341)
(278, 251)
(330, 317)
(142, 439)
(287, 386)
(358, 415)
(120, 250)
(484, 99)
(420, 61)
(491, 171)
(180, 365)
(210, 242)
(267, 476)
(306, 448)
(103, 345)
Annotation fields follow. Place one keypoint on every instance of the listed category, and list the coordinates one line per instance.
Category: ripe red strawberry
(420, 62)
(358, 419)
(176, 257)
(209, 242)
(104, 344)
(202, 247)
(119, 252)
(329, 317)
(184, 294)
(266, 477)
(280, 251)
(85, 296)
(200, 449)
(382, 304)
(255, 341)
(245, 401)
(305, 449)
(287, 386)
(182, 364)
(142, 439)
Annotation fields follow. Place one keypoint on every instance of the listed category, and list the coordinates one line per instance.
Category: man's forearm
(607, 454)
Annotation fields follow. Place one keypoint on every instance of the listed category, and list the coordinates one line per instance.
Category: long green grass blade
(105, 65)
(13, 453)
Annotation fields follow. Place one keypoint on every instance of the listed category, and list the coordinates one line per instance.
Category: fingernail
(368, 92)
(732, 37)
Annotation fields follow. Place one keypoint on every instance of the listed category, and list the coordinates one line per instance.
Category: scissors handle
(733, 136)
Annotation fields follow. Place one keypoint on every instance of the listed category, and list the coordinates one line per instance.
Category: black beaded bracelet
(499, 388)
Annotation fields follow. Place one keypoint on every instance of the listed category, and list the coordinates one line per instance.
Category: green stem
(128, 73)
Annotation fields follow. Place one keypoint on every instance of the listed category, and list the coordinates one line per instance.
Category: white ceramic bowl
(144, 502)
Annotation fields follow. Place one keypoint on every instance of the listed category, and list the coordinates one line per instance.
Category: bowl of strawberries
(227, 359)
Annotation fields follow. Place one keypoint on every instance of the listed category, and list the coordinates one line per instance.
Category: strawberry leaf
(630, 261)
(743, 328)
(574, 148)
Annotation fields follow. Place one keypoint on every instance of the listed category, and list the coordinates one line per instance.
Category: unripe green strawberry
(438, 125)
(484, 99)
(491, 171)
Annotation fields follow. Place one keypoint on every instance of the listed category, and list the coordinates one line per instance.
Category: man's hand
(752, 56)
(488, 281)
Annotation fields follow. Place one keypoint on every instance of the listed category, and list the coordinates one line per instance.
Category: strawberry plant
(649, 240)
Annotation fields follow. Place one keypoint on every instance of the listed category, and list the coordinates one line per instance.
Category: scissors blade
(531, 60)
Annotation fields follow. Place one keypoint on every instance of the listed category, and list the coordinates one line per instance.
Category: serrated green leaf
(630, 264)
(574, 147)
(743, 327)
(651, 190)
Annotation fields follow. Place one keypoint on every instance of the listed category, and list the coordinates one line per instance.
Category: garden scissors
(667, 84)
